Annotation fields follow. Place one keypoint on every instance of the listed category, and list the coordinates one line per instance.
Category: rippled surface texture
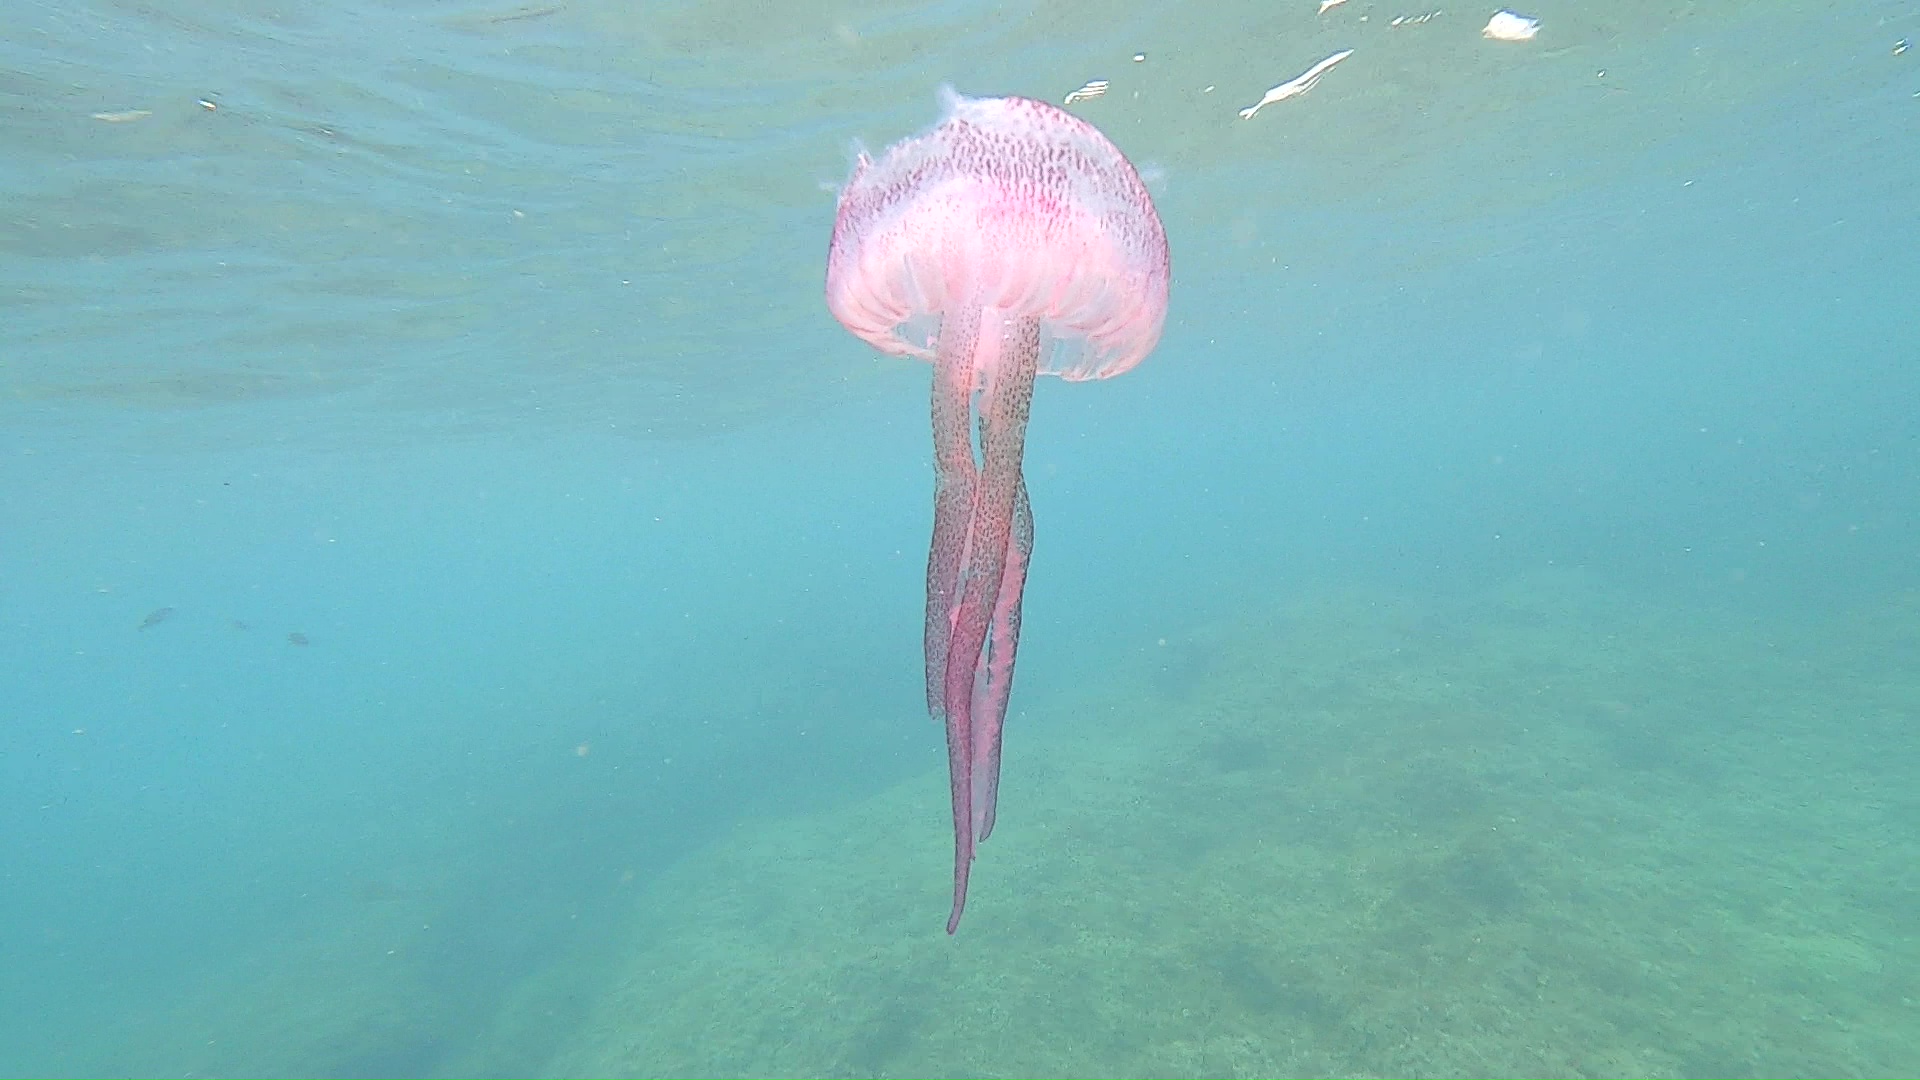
(611, 212)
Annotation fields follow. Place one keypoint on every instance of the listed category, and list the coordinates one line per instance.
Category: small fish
(158, 616)
(297, 638)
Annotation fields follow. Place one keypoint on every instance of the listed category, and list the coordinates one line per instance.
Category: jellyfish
(1011, 240)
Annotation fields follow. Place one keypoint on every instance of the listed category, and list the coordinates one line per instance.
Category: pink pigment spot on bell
(1010, 241)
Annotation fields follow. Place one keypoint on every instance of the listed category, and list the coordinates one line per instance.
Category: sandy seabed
(1554, 832)
(1549, 832)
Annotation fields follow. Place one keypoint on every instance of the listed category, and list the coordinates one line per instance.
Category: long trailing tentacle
(1007, 353)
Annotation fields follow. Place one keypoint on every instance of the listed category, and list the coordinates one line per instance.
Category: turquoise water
(460, 591)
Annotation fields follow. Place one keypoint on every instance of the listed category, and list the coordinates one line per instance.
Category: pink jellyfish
(1011, 241)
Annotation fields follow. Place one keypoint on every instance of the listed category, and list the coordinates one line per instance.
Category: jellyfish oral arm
(977, 566)
(955, 475)
(995, 683)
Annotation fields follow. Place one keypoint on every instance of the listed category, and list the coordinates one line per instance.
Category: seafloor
(1549, 832)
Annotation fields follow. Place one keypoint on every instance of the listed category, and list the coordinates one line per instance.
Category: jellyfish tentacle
(954, 477)
(1007, 357)
(996, 682)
